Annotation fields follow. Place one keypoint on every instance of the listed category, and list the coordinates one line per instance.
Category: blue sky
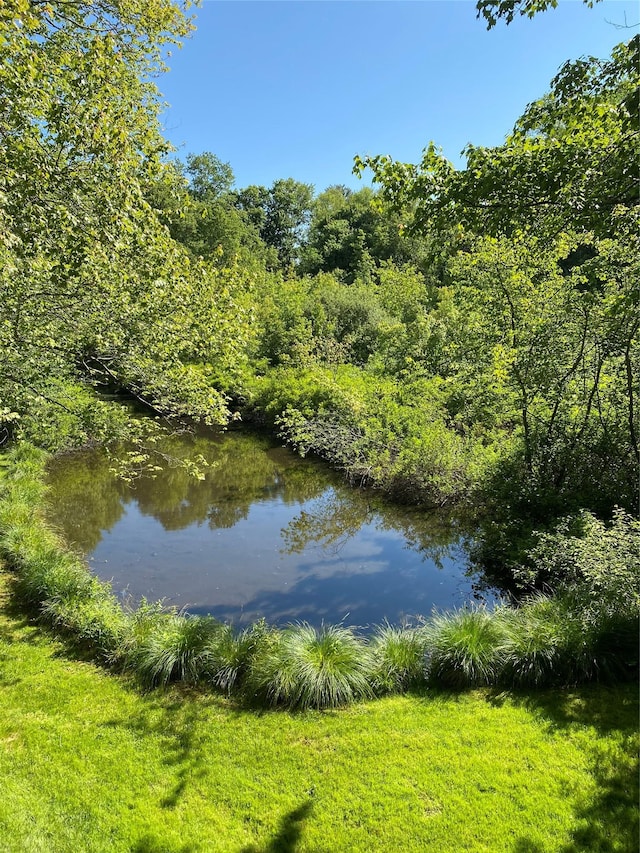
(297, 88)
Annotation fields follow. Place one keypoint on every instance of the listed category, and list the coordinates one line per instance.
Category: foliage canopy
(93, 286)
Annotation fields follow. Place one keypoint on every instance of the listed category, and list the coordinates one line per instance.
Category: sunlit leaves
(93, 286)
(569, 164)
(494, 10)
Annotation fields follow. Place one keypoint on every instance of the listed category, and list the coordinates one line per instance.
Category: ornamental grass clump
(171, 647)
(399, 658)
(533, 643)
(465, 647)
(302, 667)
(230, 654)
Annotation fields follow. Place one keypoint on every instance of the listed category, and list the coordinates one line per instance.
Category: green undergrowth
(586, 632)
(396, 435)
(89, 763)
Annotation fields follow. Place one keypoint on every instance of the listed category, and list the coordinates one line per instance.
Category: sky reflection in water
(264, 534)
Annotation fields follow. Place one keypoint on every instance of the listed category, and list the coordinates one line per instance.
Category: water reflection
(265, 533)
(338, 518)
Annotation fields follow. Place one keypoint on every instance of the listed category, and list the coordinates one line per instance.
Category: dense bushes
(395, 436)
(583, 552)
(586, 631)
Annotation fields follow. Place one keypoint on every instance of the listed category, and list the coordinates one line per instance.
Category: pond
(264, 534)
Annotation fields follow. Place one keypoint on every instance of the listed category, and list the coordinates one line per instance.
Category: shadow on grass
(16, 627)
(288, 835)
(185, 751)
(17, 631)
(19, 618)
(608, 821)
(606, 708)
(150, 844)
(174, 716)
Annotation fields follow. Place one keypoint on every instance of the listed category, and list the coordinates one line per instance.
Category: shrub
(584, 552)
(302, 667)
(394, 435)
(595, 569)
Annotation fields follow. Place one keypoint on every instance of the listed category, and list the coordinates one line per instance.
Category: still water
(265, 533)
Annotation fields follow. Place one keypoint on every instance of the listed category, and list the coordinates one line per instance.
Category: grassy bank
(89, 763)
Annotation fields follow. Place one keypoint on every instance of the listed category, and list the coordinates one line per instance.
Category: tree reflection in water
(263, 532)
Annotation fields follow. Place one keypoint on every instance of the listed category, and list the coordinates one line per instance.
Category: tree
(196, 203)
(492, 10)
(352, 232)
(544, 350)
(209, 177)
(281, 213)
(93, 287)
(546, 280)
(287, 212)
(569, 162)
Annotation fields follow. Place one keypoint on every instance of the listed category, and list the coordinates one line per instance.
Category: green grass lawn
(89, 763)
